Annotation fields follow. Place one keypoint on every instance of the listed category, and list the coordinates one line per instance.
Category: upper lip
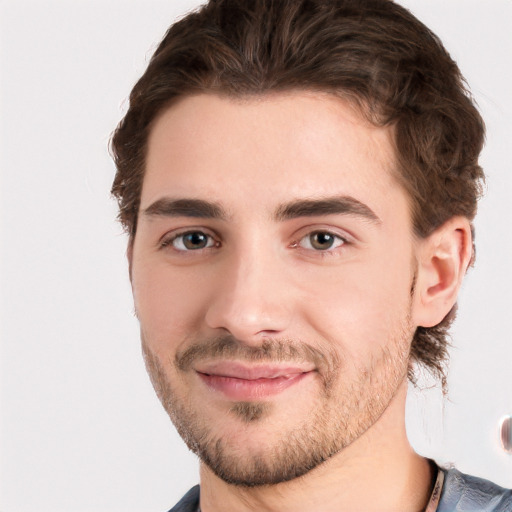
(238, 370)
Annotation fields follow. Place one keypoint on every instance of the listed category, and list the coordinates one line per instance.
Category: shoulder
(189, 502)
(465, 493)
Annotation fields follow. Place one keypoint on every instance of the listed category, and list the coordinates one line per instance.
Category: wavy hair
(373, 53)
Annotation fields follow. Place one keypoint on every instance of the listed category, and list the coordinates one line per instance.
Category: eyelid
(345, 235)
(341, 241)
(166, 241)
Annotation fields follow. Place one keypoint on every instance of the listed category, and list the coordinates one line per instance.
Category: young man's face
(272, 272)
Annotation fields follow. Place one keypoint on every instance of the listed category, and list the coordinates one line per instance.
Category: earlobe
(443, 258)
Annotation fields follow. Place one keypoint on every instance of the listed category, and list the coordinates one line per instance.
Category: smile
(245, 383)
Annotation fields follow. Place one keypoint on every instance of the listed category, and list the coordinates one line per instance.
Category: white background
(81, 429)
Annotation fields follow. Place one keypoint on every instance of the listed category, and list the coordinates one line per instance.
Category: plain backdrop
(81, 429)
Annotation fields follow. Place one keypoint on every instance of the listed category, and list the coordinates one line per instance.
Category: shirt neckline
(435, 496)
(433, 502)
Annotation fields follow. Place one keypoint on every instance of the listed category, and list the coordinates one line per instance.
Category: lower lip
(245, 390)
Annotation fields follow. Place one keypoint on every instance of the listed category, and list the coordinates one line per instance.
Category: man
(298, 179)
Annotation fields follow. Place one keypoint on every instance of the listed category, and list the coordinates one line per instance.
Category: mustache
(269, 350)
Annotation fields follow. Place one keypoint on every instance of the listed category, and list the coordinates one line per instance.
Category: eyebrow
(197, 208)
(202, 209)
(344, 205)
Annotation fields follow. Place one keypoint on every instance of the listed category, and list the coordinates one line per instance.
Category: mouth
(241, 382)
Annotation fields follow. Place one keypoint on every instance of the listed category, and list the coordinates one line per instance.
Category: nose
(252, 300)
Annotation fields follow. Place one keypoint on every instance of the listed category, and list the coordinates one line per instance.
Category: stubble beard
(343, 412)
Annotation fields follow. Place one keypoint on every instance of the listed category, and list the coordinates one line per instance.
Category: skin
(270, 280)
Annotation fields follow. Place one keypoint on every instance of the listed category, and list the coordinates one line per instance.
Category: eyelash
(337, 239)
(169, 241)
(214, 243)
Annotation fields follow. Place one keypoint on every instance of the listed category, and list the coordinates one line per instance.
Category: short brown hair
(374, 53)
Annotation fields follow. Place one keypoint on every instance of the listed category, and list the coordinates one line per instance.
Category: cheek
(168, 302)
(359, 307)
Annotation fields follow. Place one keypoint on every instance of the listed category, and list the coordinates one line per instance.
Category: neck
(378, 472)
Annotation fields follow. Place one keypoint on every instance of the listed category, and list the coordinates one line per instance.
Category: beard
(343, 410)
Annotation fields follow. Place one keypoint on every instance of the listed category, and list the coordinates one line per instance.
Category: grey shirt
(460, 493)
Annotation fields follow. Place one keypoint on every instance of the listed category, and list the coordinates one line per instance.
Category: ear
(443, 258)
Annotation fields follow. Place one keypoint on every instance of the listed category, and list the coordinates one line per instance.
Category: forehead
(261, 151)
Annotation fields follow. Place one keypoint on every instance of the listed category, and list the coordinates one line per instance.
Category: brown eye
(193, 240)
(321, 241)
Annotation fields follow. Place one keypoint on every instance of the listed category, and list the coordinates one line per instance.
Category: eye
(321, 241)
(191, 241)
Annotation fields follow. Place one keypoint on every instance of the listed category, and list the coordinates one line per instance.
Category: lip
(241, 382)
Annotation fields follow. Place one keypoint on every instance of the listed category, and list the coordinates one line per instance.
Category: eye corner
(319, 241)
(189, 240)
(322, 240)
